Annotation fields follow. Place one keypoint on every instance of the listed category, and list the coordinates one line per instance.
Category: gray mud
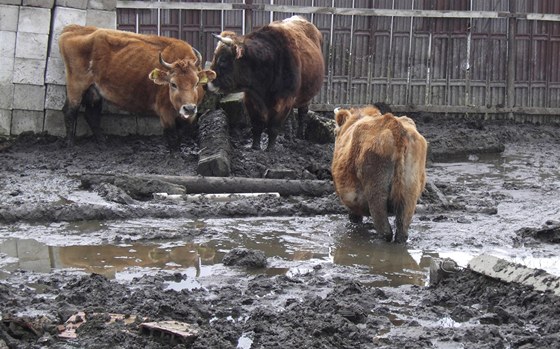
(507, 203)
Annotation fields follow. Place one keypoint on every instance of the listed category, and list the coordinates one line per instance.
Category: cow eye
(173, 85)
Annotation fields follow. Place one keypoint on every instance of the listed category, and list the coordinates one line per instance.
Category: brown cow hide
(378, 167)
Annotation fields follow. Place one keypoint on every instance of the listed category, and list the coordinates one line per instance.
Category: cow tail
(398, 185)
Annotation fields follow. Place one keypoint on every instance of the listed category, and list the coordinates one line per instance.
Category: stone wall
(32, 79)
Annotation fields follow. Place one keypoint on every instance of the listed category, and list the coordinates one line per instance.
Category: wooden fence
(463, 56)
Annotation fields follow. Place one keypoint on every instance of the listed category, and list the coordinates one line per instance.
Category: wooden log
(215, 148)
(214, 185)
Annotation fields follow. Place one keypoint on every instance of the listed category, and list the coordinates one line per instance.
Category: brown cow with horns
(117, 66)
(279, 67)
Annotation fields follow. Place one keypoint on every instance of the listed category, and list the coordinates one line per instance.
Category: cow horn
(336, 109)
(226, 40)
(198, 56)
(164, 63)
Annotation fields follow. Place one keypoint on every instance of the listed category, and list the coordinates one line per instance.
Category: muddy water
(501, 194)
(293, 246)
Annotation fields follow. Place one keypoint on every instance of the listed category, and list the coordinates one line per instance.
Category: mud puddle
(501, 192)
(292, 246)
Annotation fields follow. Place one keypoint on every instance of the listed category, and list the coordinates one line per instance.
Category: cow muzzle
(188, 111)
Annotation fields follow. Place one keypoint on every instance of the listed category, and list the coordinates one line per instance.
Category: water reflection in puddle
(296, 245)
(291, 251)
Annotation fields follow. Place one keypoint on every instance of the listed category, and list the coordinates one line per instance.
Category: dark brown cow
(379, 167)
(279, 67)
(124, 69)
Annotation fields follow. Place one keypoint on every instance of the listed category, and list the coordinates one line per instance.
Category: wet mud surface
(276, 272)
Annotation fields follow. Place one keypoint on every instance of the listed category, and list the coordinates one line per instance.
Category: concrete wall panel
(32, 45)
(55, 96)
(9, 17)
(55, 71)
(29, 71)
(29, 97)
(5, 121)
(62, 17)
(34, 20)
(26, 120)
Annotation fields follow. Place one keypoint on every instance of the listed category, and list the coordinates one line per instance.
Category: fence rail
(481, 57)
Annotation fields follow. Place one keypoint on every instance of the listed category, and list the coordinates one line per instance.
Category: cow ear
(205, 76)
(341, 115)
(159, 77)
(239, 50)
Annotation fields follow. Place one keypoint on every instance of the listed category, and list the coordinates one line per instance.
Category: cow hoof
(401, 239)
(357, 219)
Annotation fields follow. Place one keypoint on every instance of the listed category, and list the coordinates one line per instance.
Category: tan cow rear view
(379, 167)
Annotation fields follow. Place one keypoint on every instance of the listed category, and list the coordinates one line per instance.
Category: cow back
(118, 64)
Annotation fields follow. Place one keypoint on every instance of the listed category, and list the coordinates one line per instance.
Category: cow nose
(188, 109)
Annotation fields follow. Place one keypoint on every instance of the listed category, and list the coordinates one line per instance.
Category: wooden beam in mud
(214, 185)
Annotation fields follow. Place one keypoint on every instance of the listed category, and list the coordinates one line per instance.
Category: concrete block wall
(32, 77)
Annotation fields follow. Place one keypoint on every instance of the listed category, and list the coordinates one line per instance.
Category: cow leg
(355, 218)
(403, 218)
(257, 114)
(378, 211)
(302, 121)
(377, 193)
(275, 125)
(257, 130)
(70, 120)
(93, 104)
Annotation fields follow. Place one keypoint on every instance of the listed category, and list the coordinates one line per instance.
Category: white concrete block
(102, 19)
(32, 45)
(29, 97)
(29, 71)
(6, 95)
(34, 20)
(9, 17)
(26, 120)
(511, 272)
(5, 121)
(54, 123)
(120, 125)
(107, 5)
(80, 4)
(6, 70)
(7, 43)
(64, 16)
(56, 73)
(11, 2)
(39, 3)
(149, 126)
(55, 96)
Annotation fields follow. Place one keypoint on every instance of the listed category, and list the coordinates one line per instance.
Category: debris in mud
(442, 268)
(68, 330)
(172, 331)
(243, 257)
(549, 233)
(511, 272)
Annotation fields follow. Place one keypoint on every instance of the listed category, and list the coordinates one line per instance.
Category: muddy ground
(324, 306)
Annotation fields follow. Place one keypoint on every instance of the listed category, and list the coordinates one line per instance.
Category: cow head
(344, 118)
(228, 51)
(185, 80)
